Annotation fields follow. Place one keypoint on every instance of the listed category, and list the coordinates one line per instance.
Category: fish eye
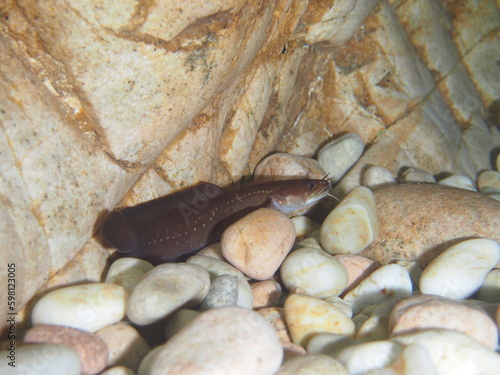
(311, 185)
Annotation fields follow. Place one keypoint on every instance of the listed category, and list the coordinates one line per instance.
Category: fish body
(180, 223)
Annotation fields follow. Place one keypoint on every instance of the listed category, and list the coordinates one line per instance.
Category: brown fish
(180, 223)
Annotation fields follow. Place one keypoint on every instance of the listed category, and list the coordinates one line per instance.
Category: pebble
(414, 270)
(490, 289)
(125, 345)
(283, 166)
(87, 306)
(127, 272)
(41, 359)
(227, 340)
(315, 271)
(306, 316)
(118, 370)
(337, 156)
(329, 343)
(267, 293)
(177, 321)
(358, 268)
(414, 360)
(375, 177)
(417, 175)
(276, 317)
(312, 365)
(453, 353)
(222, 292)
(387, 282)
(352, 225)
(212, 251)
(145, 366)
(374, 328)
(91, 350)
(308, 242)
(258, 243)
(423, 312)
(364, 357)
(418, 221)
(459, 271)
(488, 182)
(340, 304)
(304, 226)
(215, 267)
(458, 181)
(166, 288)
(245, 295)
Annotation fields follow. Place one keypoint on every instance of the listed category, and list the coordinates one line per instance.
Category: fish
(167, 228)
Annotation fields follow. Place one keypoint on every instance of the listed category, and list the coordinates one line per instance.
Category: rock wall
(106, 103)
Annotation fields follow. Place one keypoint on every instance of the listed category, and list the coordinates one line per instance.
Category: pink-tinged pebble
(266, 293)
(90, 348)
(358, 267)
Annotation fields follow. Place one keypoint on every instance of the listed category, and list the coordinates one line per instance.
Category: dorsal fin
(195, 197)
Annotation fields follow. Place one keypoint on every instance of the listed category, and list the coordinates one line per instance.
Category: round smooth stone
(312, 364)
(352, 225)
(227, 340)
(177, 321)
(490, 289)
(340, 304)
(88, 306)
(495, 196)
(127, 272)
(375, 176)
(423, 312)
(414, 360)
(414, 270)
(488, 182)
(166, 288)
(308, 242)
(459, 271)
(417, 175)
(282, 166)
(306, 316)
(222, 292)
(453, 353)
(125, 344)
(337, 156)
(266, 293)
(276, 317)
(359, 320)
(257, 243)
(315, 271)
(215, 267)
(92, 351)
(245, 295)
(329, 343)
(458, 181)
(212, 251)
(41, 359)
(358, 268)
(387, 282)
(118, 370)
(304, 226)
(145, 366)
(361, 358)
(373, 328)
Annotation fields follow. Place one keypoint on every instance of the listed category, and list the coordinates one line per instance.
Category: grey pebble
(222, 292)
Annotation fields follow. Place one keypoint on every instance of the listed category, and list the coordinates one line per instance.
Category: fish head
(297, 194)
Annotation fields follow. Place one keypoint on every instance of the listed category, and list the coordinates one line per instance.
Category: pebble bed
(285, 296)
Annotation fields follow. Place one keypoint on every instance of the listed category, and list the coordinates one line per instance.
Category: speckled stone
(227, 340)
(488, 182)
(166, 288)
(87, 306)
(282, 166)
(92, 351)
(41, 359)
(222, 292)
(125, 345)
(266, 293)
(127, 272)
(417, 175)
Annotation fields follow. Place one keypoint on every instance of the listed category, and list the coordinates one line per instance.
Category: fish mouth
(319, 195)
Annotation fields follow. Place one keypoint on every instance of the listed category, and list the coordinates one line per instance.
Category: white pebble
(89, 307)
(118, 370)
(306, 315)
(340, 304)
(315, 271)
(41, 359)
(458, 181)
(166, 288)
(459, 271)
(488, 182)
(127, 272)
(454, 353)
(304, 226)
(145, 366)
(215, 267)
(490, 289)
(387, 282)
(341, 154)
(257, 243)
(352, 225)
(376, 176)
(414, 360)
(361, 358)
(245, 295)
(227, 340)
(329, 343)
(312, 364)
